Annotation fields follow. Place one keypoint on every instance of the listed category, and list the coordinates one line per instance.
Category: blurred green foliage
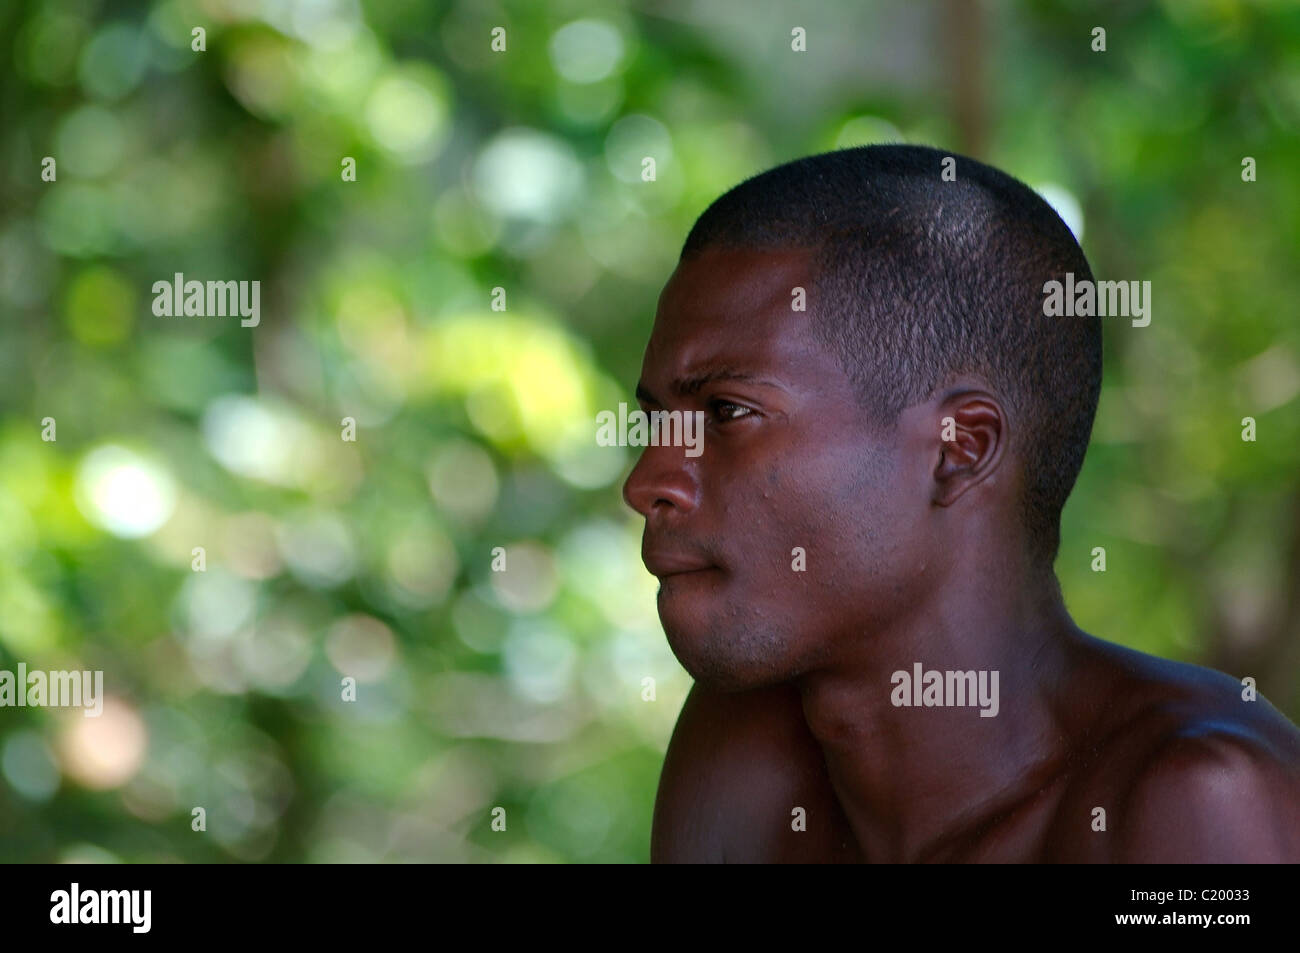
(521, 170)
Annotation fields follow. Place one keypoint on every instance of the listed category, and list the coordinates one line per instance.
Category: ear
(972, 438)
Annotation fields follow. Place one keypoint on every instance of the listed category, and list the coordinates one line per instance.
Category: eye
(725, 410)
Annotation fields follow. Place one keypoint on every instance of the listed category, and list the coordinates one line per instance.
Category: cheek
(806, 525)
(850, 510)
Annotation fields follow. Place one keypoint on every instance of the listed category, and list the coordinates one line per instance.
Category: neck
(914, 777)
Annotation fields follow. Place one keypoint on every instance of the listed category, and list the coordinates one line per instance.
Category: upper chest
(1039, 827)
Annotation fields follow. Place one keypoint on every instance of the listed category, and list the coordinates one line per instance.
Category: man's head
(825, 431)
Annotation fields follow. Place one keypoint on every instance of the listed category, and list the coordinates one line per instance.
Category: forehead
(734, 307)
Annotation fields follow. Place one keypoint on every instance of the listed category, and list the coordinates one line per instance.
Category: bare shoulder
(1212, 794)
(737, 767)
(1185, 767)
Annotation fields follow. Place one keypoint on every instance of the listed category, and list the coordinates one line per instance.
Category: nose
(664, 478)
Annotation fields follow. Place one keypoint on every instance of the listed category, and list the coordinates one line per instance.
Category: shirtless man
(881, 484)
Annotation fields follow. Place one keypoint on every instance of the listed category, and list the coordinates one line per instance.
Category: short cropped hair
(919, 278)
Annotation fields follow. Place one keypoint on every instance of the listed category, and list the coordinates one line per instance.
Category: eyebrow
(691, 384)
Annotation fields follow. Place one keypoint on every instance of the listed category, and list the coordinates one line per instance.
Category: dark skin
(914, 551)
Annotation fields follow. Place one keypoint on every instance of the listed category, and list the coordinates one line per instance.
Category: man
(857, 570)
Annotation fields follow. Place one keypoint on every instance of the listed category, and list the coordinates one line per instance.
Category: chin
(730, 655)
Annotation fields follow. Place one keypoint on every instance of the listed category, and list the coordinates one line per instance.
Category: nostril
(659, 480)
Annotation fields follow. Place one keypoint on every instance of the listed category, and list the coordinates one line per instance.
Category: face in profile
(792, 462)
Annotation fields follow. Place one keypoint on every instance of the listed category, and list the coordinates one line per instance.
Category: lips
(664, 563)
